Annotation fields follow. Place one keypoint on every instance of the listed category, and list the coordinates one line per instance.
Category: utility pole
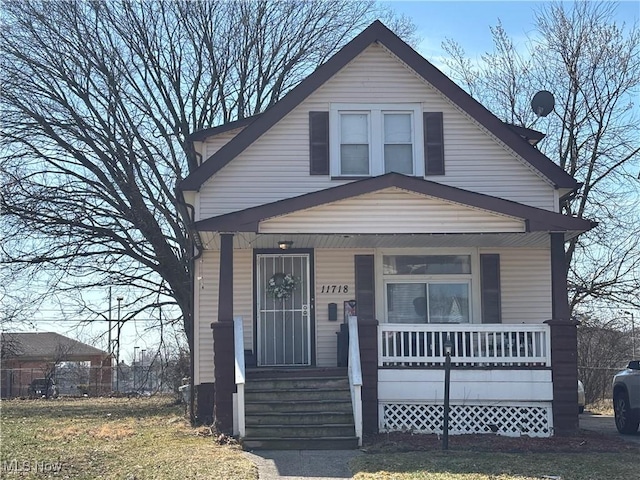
(135, 367)
(144, 378)
(119, 299)
(109, 320)
(110, 345)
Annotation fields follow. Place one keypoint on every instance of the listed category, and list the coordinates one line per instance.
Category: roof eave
(248, 220)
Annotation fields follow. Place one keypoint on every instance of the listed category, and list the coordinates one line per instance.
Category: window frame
(473, 278)
(375, 112)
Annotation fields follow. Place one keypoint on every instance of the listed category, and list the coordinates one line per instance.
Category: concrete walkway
(605, 424)
(303, 464)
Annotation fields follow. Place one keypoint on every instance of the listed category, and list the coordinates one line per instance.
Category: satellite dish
(543, 103)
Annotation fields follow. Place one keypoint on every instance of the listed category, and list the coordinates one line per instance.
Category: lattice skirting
(509, 420)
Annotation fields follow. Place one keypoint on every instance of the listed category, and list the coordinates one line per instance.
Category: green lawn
(132, 439)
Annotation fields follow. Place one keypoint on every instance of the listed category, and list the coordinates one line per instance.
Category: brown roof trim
(530, 135)
(377, 32)
(201, 135)
(536, 219)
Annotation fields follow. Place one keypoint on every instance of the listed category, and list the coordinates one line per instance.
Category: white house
(379, 190)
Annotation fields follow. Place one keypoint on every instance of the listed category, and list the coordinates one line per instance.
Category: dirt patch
(583, 441)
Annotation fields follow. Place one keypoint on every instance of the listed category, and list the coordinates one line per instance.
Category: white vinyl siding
(392, 211)
(420, 385)
(332, 267)
(525, 279)
(207, 282)
(276, 166)
(216, 142)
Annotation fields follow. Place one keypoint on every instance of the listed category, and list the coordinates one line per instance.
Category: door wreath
(281, 285)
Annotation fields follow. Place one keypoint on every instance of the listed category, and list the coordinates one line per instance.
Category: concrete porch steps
(298, 409)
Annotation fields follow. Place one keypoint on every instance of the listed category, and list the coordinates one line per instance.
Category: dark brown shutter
(490, 288)
(365, 287)
(433, 143)
(319, 143)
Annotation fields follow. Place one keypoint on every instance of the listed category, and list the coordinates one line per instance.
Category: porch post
(564, 345)
(223, 355)
(368, 339)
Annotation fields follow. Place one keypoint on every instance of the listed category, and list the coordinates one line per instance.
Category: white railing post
(355, 377)
(489, 345)
(238, 339)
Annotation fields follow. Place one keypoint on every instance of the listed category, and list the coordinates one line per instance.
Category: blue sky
(468, 22)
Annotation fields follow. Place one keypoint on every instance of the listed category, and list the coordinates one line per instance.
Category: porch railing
(494, 345)
(355, 377)
(238, 348)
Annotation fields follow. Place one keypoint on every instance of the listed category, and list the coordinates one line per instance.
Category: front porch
(501, 383)
(483, 271)
(501, 379)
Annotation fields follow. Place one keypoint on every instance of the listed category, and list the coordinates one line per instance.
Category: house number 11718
(335, 289)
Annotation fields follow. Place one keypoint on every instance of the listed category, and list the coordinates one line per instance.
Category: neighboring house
(27, 356)
(378, 189)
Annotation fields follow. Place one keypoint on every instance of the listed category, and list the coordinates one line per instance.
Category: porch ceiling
(244, 240)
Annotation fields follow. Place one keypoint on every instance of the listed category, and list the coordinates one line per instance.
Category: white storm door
(284, 326)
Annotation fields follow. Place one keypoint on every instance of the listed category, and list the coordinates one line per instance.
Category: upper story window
(375, 139)
(362, 140)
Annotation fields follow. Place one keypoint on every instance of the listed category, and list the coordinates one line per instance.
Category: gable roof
(536, 219)
(47, 345)
(377, 32)
(201, 135)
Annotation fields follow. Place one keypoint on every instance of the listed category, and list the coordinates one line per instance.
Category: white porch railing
(489, 345)
(238, 344)
(355, 377)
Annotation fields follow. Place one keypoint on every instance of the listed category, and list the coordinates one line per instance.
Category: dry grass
(492, 466)
(601, 407)
(132, 439)
(585, 456)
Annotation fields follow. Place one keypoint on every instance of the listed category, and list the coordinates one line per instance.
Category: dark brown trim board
(490, 289)
(223, 344)
(225, 386)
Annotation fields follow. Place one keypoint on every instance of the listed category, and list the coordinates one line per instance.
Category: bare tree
(99, 99)
(592, 65)
(603, 349)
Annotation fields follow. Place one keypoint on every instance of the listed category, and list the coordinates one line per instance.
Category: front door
(283, 309)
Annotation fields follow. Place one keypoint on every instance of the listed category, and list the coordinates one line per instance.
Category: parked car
(581, 401)
(626, 398)
(43, 387)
